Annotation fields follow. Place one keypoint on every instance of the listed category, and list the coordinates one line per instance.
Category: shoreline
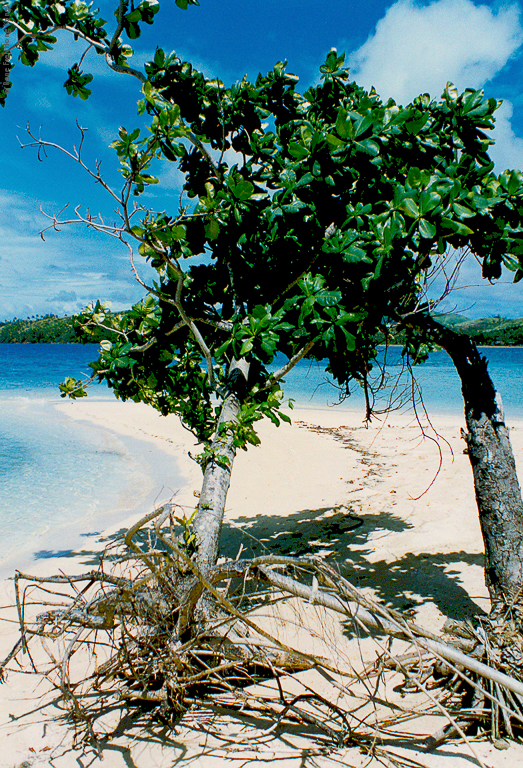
(361, 497)
(145, 470)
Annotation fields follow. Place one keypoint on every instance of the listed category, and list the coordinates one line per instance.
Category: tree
(308, 227)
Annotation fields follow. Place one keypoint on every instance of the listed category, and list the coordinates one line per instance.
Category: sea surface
(62, 480)
(436, 385)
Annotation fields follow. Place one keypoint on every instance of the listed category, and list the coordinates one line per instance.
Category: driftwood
(148, 629)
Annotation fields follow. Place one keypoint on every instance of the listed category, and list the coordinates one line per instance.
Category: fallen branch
(156, 630)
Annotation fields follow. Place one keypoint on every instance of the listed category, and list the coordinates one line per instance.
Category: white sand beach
(371, 499)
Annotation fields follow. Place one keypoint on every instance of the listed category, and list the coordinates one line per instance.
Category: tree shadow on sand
(342, 538)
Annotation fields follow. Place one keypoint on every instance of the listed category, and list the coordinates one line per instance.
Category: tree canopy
(308, 223)
(314, 220)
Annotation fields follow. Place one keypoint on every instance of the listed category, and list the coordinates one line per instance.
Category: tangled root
(147, 632)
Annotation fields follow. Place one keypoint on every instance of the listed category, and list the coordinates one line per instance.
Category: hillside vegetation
(488, 331)
(50, 329)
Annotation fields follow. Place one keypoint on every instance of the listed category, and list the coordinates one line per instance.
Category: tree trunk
(498, 494)
(217, 475)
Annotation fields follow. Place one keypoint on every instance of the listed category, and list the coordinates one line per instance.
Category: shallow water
(62, 479)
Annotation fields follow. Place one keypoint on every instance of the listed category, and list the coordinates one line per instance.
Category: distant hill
(488, 331)
(50, 329)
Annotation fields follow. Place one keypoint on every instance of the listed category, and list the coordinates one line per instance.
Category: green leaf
(450, 94)
(344, 125)
(306, 307)
(288, 178)
(471, 99)
(72, 388)
(415, 125)
(222, 348)
(294, 207)
(462, 211)
(414, 177)
(304, 180)
(334, 140)
(350, 340)
(179, 232)
(246, 347)
(427, 229)
(482, 110)
(354, 254)
(328, 298)
(428, 201)
(514, 182)
(299, 151)
(369, 146)
(362, 125)
(410, 207)
(212, 229)
(159, 57)
(243, 190)
(457, 226)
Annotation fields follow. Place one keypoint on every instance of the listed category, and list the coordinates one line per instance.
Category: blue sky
(402, 48)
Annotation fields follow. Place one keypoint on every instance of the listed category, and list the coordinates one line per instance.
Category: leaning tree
(308, 227)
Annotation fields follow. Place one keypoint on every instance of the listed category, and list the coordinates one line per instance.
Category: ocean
(437, 383)
(62, 480)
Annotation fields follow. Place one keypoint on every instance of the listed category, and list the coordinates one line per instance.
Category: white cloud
(507, 152)
(418, 48)
(61, 274)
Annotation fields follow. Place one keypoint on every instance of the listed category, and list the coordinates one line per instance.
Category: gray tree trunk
(217, 475)
(498, 493)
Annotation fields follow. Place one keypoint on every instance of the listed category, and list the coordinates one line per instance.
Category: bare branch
(145, 347)
(75, 155)
(124, 70)
(392, 628)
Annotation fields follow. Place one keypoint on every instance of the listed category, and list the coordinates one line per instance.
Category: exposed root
(146, 632)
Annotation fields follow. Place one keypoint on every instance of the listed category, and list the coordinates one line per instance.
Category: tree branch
(281, 372)
(354, 610)
(194, 330)
(75, 155)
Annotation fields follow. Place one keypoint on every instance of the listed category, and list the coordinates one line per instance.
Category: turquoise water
(60, 477)
(436, 381)
(62, 480)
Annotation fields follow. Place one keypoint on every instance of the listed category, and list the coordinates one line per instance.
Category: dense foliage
(38, 330)
(489, 331)
(308, 226)
(486, 331)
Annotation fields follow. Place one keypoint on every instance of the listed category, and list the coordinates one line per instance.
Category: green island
(46, 329)
(493, 331)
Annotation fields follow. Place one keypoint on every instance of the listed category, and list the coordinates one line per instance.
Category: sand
(392, 505)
